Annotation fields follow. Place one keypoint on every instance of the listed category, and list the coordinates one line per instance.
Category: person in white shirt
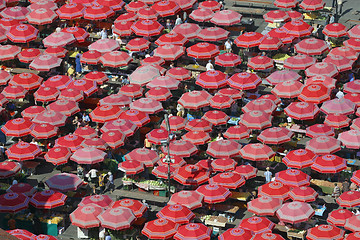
(209, 66)
(103, 34)
(178, 20)
(93, 175)
(228, 45)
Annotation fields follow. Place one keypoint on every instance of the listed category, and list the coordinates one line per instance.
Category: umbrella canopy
(247, 171)
(14, 92)
(13, 202)
(70, 11)
(86, 216)
(171, 38)
(338, 217)
(214, 193)
(43, 131)
(325, 232)
(295, 212)
(160, 229)
(351, 139)
(303, 194)
(125, 126)
(147, 28)
(230, 180)
(176, 213)
(17, 127)
(203, 50)
(104, 45)
(274, 190)
(85, 132)
(22, 33)
(22, 234)
(8, 169)
(195, 99)
(191, 175)
(261, 63)
(115, 59)
(349, 199)
(146, 156)
(88, 155)
(275, 135)
(146, 105)
(256, 152)
(198, 125)
(249, 39)
(148, 13)
(137, 207)
(237, 132)
(48, 199)
(117, 218)
(189, 30)
(137, 117)
(314, 93)
(286, 3)
(189, 199)
(196, 138)
(299, 62)
(323, 145)
(293, 178)
(298, 28)
(213, 34)
(216, 117)
(223, 148)
(98, 12)
(342, 63)
(244, 81)
(227, 60)
(226, 18)
(236, 233)
(322, 68)
(131, 167)
(257, 225)
(312, 5)
(8, 52)
(311, 46)
(256, 119)
(300, 158)
(263, 206)
(352, 223)
(276, 16)
(23, 151)
(71, 141)
(105, 113)
(193, 231)
(64, 182)
(337, 120)
(329, 164)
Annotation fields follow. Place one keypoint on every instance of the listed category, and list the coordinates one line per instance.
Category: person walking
(93, 175)
(339, 6)
(346, 186)
(110, 186)
(228, 45)
(336, 192)
(102, 183)
(268, 175)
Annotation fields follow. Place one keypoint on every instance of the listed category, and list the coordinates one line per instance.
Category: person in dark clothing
(37, 225)
(346, 186)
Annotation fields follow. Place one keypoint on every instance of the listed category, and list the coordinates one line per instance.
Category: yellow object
(73, 54)
(281, 57)
(273, 25)
(311, 15)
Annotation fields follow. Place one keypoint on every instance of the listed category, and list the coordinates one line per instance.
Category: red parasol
(189, 30)
(281, 33)
(216, 117)
(261, 63)
(349, 199)
(70, 141)
(147, 28)
(335, 30)
(159, 94)
(219, 101)
(85, 132)
(223, 148)
(337, 120)
(226, 18)
(88, 155)
(329, 164)
(212, 79)
(43, 131)
(23, 151)
(137, 117)
(198, 125)
(314, 93)
(166, 8)
(176, 213)
(104, 45)
(325, 232)
(41, 16)
(338, 217)
(353, 43)
(189, 199)
(350, 139)
(203, 50)
(282, 76)
(17, 127)
(123, 28)
(293, 178)
(295, 212)
(249, 39)
(113, 138)
(274, 190)
(58, 155)
(323, 145)
(195, 99)
(160, 229)
(354, 97)
(133, 7)
(263, 206)
(14, 92)
(48, 199)
(115, 59)
(319, 130)
(244, 81)
(256, 119)
(299, 62)
(169, 52)
(298, 28)
(171, 38)
(312, 5)
(196, 138)
(137, 44)
(227, 60)
(117, 218)
(8, 169)
(63, 106)
(13, 202)
(103, 201)
(134, 205)
(23, 188)
(125, 126)
(303, 194)
(300, 158)
(191, 175)
(352, 223)
(311, 46)
(341, 63)
(288, 89)
(247, 171)
(86, 216)
(146, 156)
(70, 11)
(236, 233)
(131, 167)
(257, 224)
(270, 44)
(237, 132)
(276, 16)
(286, 3)
(95, 142)
(275, 135)
(228, 180)
(22, 234)
(32, 111)
(213, 34)
(256, 152)
(193, 231)
(201, 15)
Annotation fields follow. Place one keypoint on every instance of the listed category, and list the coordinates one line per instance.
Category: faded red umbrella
(352, 223)
(339, 106)
(146, 105)
(213, 34)
(341, 63)
(79, 33)
(95, 142)
(295, 212)
(270, 44)
(299, 62)
(256, 152)
(261, 63)
(179, 73)
(349, 199)
(345, 52)
(257, 224)
(274, 189)
(265, 105)
(23, 151)
(196, 138)
(153, 60)
(41, 16)
(353, 97)
(104, 45)
(350, 139)
(169, 52)
(59, 52)
(195, 99)
(8, 52)
(191, 175)
(63, 106)
(264, 236)
(281, 33)
(186, 4)
(86, 216)
(27, 55)
(303, 194)
(201, 15)
(319, 130)
(247, 171)
(237, 132)
(352, 87)
(159, 93)
(98, 12)
(45, 62)
(256, 120)
(48, 199)
(116, 99)
(189, 199)
(128, 16)
(226, 18)
(244, 81)
(8, 169)
(17, 12)
(216, 117)
(230, 180)
(353, 43)
(275, 135)
(58, 39)
(337, 120)
(264, 206)
(210, 4)
(147, 13)
(182, 148)
(298, 28)
(323, 145)
(58, 156)
(223, 148)
(312, 5)
(88, 155)
(311, 46)
(321, 79)
(50, 117)
(189, 30)
(123, 28)
(325, 232)
(198, 125)
(146, 156)
(329, 164)
(300, 158)
(115, 59)
(278, 77)
(32, 111)
(227, 60)
(71, 95)
(175, 162)
(286, 3)
(58, 81)
(133, 7)
(85, 132)
(213, 193)
(137, 117)
(114, 5)
(70, 11)
(117, 218)
(288, 89)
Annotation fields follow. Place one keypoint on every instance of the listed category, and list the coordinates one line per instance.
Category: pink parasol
(295, 212)
(263, 206)
(303, 194)
(274, 189)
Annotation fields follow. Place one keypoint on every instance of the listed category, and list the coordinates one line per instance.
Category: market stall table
(241, 196)
(216, 221)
